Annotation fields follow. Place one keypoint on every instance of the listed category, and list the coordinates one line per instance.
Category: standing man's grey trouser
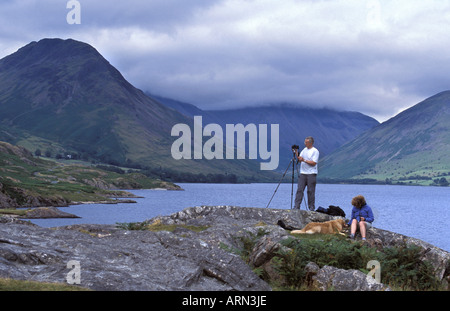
(306, 180)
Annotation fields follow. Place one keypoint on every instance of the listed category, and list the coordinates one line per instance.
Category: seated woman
(362, 217)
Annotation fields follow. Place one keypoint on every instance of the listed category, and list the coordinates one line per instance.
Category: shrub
(401, 267)
(328, 250)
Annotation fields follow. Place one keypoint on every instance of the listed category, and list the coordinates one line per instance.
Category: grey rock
(121, 260)
(228, 223)
(331, 278)
(115, 259)
(311, 270)
(266, 248)
(48, 212)
(439, 258)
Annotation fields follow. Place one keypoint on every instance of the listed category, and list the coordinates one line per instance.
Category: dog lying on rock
(327, 227)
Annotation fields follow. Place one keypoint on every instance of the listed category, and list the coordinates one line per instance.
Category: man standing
(309, 157)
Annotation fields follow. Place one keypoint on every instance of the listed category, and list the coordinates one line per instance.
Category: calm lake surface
(420, 212)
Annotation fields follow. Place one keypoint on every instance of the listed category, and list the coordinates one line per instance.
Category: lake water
(420, 212)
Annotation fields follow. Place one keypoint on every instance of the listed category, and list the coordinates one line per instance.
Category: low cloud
(376, 57)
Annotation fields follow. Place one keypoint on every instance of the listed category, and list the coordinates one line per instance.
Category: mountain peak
(60, 47)
(49, 51)
(57, 71)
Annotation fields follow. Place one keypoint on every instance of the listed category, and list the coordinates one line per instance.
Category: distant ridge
(410, 148)
(330, 128)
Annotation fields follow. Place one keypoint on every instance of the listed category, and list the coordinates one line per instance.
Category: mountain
(66, 92)
(63, 96)
(412, 147)
(330, 128)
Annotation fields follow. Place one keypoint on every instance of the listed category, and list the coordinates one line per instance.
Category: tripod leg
(292, 186)
(294, 164)
(279, 183)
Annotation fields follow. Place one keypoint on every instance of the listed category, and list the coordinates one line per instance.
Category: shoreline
(117, 196)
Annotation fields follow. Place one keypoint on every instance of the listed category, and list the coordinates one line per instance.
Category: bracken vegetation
(401, 266)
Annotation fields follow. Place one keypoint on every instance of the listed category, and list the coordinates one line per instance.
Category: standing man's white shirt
(311, 154)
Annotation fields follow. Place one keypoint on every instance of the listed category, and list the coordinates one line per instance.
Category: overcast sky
(377, 57)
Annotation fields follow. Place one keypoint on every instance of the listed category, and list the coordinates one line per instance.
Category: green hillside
(29, 181)
(410, 148)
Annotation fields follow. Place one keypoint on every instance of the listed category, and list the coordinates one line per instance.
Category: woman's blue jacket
(364, 211)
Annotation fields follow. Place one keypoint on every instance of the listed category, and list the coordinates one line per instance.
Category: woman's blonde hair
(359, 201)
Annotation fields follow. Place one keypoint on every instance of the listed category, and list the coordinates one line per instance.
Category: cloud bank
(373, 56)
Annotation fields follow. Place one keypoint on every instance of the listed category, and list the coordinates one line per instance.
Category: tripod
(294, 162)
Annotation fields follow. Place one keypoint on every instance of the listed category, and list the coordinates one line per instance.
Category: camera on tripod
(294, 161)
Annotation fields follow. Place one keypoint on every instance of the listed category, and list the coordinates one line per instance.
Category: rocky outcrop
(230, 223)
(47, 212)
(9, 199)
(439, 258)
(111, 258)
(19, 151)
(114, 259)
(5, 200)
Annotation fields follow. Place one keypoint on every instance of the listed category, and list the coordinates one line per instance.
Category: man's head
(309, 142)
